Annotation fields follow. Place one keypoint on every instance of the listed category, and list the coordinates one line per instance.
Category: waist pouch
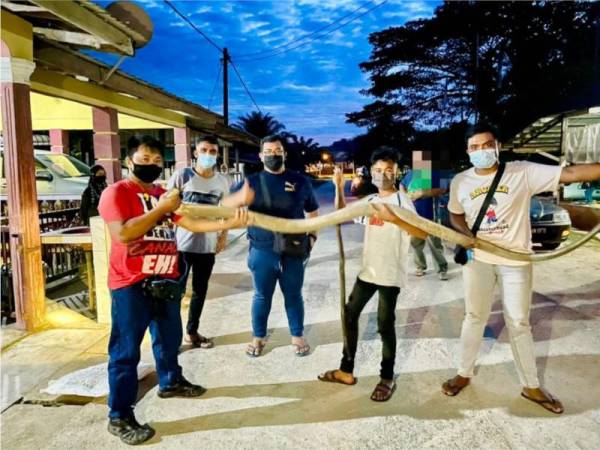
(294, 245)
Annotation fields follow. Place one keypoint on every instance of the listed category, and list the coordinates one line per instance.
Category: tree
(505, 62)
(260, 124)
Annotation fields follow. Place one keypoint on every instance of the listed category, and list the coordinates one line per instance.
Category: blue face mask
(484, 158)
(206, 161)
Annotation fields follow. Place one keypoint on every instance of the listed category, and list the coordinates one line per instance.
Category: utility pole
(225, 87)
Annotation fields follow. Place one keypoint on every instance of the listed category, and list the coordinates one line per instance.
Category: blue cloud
(308, 87)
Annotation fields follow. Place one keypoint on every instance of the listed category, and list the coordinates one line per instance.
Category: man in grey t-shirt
(205, 186)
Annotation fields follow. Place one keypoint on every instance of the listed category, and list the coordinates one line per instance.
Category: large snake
(359, 209)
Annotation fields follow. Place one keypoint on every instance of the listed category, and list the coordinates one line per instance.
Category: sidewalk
(276, 401)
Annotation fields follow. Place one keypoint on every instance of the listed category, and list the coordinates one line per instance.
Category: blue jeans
(267, 268)
(132, 313)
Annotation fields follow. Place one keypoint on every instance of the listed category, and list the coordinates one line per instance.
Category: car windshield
(64, 165)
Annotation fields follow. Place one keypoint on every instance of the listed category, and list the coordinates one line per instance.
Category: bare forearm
(459, 223)
(202, 225)
(235, 200)
(340, 199)
(580, 172)
(138, 226)
(312, 215)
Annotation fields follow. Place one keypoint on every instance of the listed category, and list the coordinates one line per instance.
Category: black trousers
(386, 318)
(201, 265)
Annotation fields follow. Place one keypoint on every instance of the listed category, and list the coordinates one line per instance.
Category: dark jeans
(267, 269)
(201, 265)
(386, 318)
(132, 313)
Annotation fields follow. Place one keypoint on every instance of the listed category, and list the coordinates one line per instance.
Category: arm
(426, 193)
(204, 226)
(339, 182)
(136, 227)
(459, 223)
(384, 213)
(243, 197)
(580, 172)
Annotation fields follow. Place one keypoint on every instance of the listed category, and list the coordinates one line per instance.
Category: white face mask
(484, 158)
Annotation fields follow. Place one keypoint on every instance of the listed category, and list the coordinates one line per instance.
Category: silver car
(58, 177)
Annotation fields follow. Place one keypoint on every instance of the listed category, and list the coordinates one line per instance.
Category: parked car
(550, 224)
(575, 191)
(59, 177)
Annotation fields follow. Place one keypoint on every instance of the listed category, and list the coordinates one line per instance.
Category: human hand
(338, 177)
(247, 193)
(383, 212)
(240, 220)
(169, 201)
(221, 242)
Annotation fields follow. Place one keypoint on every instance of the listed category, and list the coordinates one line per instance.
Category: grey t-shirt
(199, 191)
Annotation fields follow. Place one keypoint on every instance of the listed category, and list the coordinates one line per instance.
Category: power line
(193, 26)
(245, 55)
(214, 87)
(320, 36)
(244, 84)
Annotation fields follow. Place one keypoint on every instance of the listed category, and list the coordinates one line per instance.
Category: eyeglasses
(271, 152)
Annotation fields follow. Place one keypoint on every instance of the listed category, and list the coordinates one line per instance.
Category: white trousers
(515, 283)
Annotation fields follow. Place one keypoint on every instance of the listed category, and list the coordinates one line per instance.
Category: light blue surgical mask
(484, 158)
(206, 161)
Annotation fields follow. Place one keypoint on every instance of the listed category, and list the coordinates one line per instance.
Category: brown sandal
(548, 403)
(384, 389)
(329, 377)
(450, 389)
(197, 340)
(254, 351)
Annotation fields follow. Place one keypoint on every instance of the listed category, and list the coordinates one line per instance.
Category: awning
(574, 135)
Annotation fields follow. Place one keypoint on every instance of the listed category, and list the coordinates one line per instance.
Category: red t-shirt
(155, 253)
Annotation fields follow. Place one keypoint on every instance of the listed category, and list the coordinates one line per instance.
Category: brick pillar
(59, 141)
(19, 164)
(107, 148)
(183, 147)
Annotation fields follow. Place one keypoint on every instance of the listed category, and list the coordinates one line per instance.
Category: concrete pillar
(19, 165)
(107, 148)
(59, 141)
(182, 138)
(101, 255)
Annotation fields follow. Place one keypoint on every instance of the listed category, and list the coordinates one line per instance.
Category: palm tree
(260, 124)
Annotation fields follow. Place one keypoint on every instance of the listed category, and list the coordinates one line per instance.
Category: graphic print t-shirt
(198, 190)
(385, 248)
(506, 222)
(155, 253)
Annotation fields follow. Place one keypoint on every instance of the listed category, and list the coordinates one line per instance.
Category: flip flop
(547, 403)
(202, 342)
(329, 377)
(385, 389)
(254, 351)
(450, 389)
(301, 350)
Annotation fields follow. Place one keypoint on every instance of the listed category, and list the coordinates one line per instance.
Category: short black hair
(272, 138)
(207, 138)
(154, 145)
(384, 154)
(479, 128)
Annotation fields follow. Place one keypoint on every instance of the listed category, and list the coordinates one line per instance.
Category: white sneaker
(443, 276)
(419, 272)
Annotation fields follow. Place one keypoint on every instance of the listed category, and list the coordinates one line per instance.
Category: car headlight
(562, 216)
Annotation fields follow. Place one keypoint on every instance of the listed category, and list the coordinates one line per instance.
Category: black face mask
(273, 162)
(146, 172)
(100, 180)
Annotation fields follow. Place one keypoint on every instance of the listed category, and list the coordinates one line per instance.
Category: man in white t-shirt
(506, 223)
(385, 260)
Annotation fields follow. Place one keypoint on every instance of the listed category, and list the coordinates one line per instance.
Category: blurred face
(383, 175)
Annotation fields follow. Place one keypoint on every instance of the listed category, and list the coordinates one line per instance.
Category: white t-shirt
(506, 222)
(385, 248)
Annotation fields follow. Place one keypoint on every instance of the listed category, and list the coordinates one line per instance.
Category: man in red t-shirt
(143, 250)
